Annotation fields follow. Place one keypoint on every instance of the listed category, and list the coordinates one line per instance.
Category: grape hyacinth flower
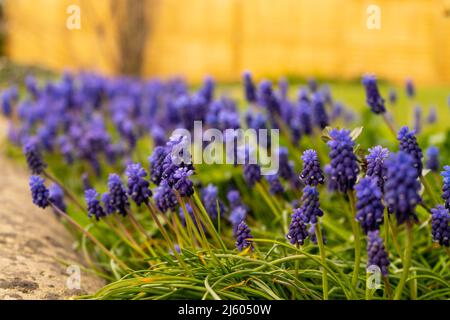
(183, 184)
(106, 199)
(156, 164)
(249, 88)
(392, 96)
(234, 199)
(39, 192)
(446, 186)
(344, 167)
(401, 189)
(243, 233)
(210, 198)
(311, 174)
(432, 115)
(297, 229)
(440, 225)
(285, 169)
(410, 89)
(417, 119)
(376, 167)
(369, 207)
(275, 186)
(33, 156)
(138, 187)
(376, 253)
(268, 98)
(319, 113)
(252, 174)
(409, 145)
(310, 206)
(118, 196)
(373, 97)
(237, 215)
(432, 159)
(165, 198)
(94, 207)
(56, 197)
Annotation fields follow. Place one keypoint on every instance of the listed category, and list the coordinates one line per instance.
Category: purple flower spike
(249, 87)
(56, 196)
(410, 89)
(243, 233)
(369, 205)
(375, 164)
(373, 97)
(183, 184)
(210, 197)
(310, 206)
(138, 187)
(237, 215)
(156, 164)
(312, 174)
(39, 192)
(106, 199)
(319, 113)
(440, 225)
(94, 207)
(165, 197)
(409, 145)
(344, 167)
(432, 159)
(297, 229)
(446, 186)
(275, 184)
(234, 199)
(376, 254)
(401, 190)
(34, 156)
(432, 115)
(118, 196)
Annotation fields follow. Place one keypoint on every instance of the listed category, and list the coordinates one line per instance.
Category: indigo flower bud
(311, 174)
(39, 192)
(243, 234)
(440, 225)
(369, 207)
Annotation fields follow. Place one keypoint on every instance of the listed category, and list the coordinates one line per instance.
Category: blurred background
(326, 39)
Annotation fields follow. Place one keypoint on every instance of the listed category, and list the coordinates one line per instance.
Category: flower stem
(324, 261)
(406, 260)
(355, 228)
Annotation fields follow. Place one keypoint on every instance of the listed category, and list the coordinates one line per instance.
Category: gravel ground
(32, 242)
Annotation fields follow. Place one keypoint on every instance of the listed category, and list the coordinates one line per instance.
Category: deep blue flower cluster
(440, 225)
(310, 206)
(56, 197)
(138, 186)
(344, 168)
(94, 207)
(376, 253)
(373, 97)
(446, 186)
(249, 88)
(401, 190)
(165, 198)
(376, 167)
(39, 192)
(432, 161)
(297, 229)
(409, 145)
(319, 112)
(211, 200)
(369, 204)
(243, 234)
(312, 174)
(33, 156)
(118, 198)
(275, 186)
